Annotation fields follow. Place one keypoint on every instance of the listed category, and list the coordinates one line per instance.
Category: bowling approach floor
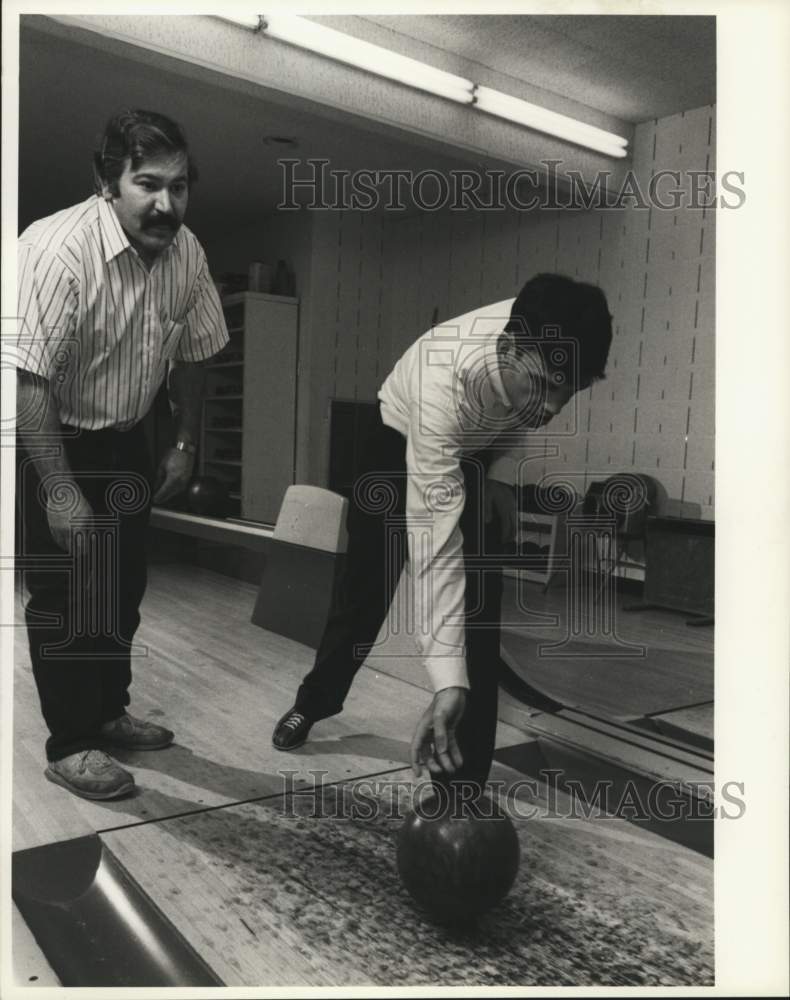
(273, 888)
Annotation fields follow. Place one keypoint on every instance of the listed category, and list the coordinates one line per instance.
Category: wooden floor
(270, 898)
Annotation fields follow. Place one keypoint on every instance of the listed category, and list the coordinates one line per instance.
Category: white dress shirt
(99, 325)
(446, 396)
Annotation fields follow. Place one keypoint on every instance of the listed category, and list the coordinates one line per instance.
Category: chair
(621, 503)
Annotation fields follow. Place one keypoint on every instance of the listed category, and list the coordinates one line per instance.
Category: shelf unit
(248, 429)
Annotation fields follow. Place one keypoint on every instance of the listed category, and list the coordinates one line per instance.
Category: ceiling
(634, 67)
(68, 91)
(631, 67)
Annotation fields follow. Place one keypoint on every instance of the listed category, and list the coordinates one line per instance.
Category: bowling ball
(457, 861)
(207, 496)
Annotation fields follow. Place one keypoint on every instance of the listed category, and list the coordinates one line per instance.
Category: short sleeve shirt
(101, 327)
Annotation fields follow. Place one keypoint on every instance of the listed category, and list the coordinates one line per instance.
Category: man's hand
(38, 421)
(63, 519)
(173, 474)
(434, 745)
(500, 502)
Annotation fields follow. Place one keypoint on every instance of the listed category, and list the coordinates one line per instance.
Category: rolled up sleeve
(206, 332)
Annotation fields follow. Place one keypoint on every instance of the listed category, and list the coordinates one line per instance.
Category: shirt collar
(114, 239)
(481, 376)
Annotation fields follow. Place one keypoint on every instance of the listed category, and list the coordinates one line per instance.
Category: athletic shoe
(291, 731)
(135, 734)
(91, 774)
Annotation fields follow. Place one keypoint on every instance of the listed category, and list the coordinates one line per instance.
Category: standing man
(112, 292)
(431, 484)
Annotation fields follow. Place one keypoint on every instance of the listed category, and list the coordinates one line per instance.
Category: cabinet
(680, 573)
(248, 431)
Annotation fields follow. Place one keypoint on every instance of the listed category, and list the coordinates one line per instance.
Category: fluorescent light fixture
(542, 120)
(251, 21)
(345, 48)
(364, 55)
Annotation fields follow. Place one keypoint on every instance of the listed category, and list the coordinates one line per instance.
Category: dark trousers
(375, 557)
(82, 611)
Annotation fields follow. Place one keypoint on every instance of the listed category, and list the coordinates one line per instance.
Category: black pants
(375, 557)
(82, 611)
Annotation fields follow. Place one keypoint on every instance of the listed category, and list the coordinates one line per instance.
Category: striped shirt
(100, 326)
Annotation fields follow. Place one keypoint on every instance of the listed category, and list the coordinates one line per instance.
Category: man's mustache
(161, 222)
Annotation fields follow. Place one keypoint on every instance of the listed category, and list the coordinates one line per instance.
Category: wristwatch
(190, 449)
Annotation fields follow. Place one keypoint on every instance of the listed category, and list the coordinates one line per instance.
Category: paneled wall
(349, 337)
(663, 356)
(370, 283)
(654, 413)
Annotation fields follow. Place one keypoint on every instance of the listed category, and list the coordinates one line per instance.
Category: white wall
(369, 285)
(654, 413)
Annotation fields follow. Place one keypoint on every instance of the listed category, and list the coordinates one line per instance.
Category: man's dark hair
(135, 136)
(551, 308)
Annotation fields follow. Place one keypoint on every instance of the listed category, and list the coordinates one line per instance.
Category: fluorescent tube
(364, 55)
(251, 21)
(542, 120)
(345, 48)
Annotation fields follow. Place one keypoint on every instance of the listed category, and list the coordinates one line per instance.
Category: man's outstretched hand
(434, 745)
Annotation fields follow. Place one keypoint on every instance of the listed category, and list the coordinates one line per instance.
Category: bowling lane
(221, 683)
(611, 678)
(651, 662)
(303, 891)
(698, 721)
